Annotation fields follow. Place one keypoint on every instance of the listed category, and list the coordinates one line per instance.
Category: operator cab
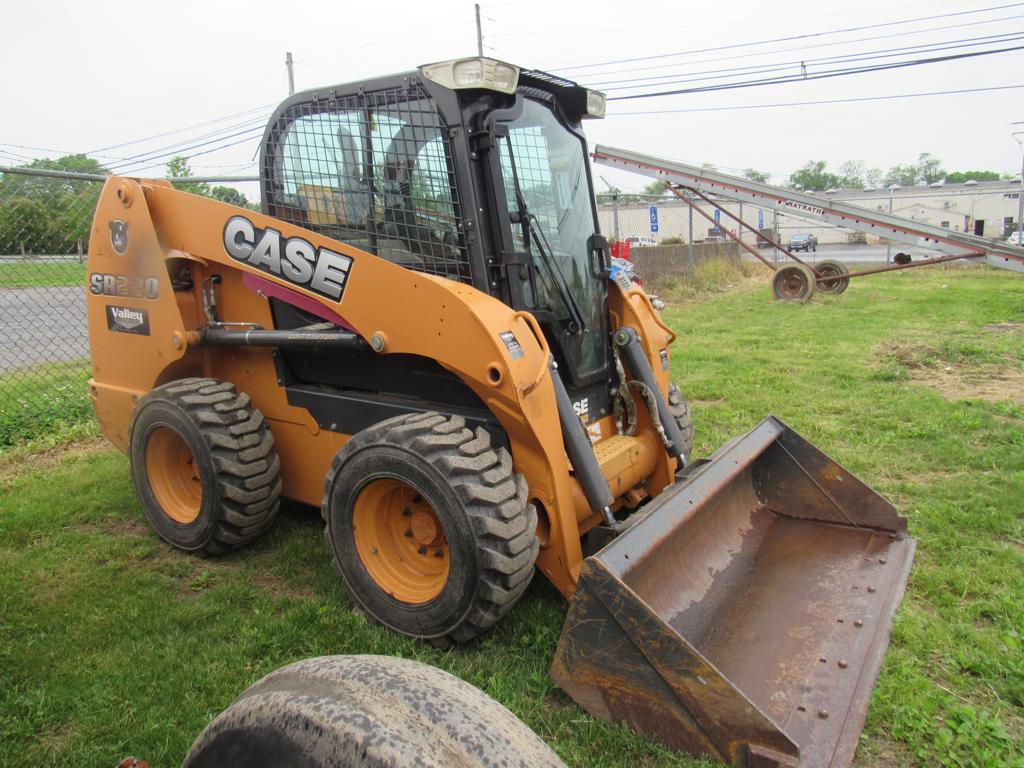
(473, 170)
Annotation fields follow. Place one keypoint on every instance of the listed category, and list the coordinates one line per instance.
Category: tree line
(53, 216)
(853, 174)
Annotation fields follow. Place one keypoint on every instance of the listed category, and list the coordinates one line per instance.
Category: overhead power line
(250, 133)
(780, 67)
(181, 130)
(758, 54)
(790, 38)
(815, 102)
(819, 75)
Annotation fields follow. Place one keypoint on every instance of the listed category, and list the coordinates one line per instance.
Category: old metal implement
(745, 614)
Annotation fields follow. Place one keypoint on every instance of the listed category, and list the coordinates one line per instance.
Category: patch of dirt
(17, 463)
(959, 379)
(54, 739)
(280, 587)
(994, 383)
(882, 752)
(126, 526)
(1005, 327)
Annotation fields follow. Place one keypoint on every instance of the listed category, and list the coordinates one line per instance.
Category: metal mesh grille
(374, 171)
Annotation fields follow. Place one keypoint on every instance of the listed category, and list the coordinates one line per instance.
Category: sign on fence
(654, 218)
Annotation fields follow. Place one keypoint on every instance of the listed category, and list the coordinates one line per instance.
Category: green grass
(111, 644)
(41, 274)
(43, 401)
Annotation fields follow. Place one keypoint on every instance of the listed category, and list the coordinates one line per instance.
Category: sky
(100, 76)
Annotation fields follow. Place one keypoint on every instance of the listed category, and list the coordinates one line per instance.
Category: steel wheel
(793, 283)
(836, 269)
(401, 541)
(173, 475)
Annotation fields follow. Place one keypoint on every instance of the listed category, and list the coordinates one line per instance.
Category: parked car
(1014, 238)
(641, 242)
(803, 243)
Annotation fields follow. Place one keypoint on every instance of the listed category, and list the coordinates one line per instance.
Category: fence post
(690, 211)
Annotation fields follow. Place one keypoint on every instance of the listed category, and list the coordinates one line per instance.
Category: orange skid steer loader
(420, 333)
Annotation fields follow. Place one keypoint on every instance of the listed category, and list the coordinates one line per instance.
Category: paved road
(42, 325)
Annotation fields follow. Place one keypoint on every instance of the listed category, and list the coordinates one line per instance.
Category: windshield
(549, 162)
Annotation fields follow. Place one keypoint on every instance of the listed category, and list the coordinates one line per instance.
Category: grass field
(42, 274)
(36, 402)
(111, 644)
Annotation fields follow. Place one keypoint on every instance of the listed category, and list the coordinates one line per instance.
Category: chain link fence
(45, 223)
(46, 217)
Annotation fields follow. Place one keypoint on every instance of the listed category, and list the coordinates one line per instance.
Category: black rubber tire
(828, 268)
(680, 410)
(238, 466)
(366, 711)
(793, 283)
(480, 502)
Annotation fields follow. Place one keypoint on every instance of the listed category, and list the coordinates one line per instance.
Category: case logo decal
(294, 259)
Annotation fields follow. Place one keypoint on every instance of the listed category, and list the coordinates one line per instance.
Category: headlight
(595, 104)
(473, 73)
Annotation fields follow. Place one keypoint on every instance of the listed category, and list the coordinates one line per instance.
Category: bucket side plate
(746, 615)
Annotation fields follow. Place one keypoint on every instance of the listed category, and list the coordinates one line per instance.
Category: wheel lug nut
(422, 550)
(407, 512)
(439, 553)
(408, 534)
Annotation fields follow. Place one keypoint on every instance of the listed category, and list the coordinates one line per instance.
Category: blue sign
(654, 219)
(760, 219)
(718, 216)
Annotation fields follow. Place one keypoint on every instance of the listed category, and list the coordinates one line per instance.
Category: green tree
(852, 174)
(959, 177)
(754, 175)
(902, 175)
(929, 168)
(814, 175)
(229, 195)
(178, 168)
(655, 189)
(45, 215)
(27, 227)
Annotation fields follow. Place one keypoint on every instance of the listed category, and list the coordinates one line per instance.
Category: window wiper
(532, 231)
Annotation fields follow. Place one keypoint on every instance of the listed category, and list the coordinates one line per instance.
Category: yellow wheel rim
(400, 541)
(173, 475)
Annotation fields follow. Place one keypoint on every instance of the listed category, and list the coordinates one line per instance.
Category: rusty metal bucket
(745, 613)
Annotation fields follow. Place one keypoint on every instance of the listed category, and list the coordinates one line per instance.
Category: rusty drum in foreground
(745, 614)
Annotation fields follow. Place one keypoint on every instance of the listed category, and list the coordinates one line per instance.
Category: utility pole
(291, 72)
(479, 33)
(1019, 136)
(689, 248)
